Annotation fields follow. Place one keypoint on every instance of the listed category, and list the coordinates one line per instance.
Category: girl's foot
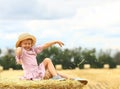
(58, 77)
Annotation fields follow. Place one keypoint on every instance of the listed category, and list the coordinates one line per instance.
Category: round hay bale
(86, 66)
(118, 66)
(58, 67)
(10, 69)
(1, 68)
(77, 68)
(11, 81)
(106, 66)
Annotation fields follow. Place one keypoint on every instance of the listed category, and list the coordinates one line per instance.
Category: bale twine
(86, 66)
(106, 66)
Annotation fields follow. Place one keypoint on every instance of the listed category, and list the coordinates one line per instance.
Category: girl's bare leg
(64, 75)
(51, 69)
(49, 66)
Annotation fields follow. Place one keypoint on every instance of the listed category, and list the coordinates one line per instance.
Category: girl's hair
(27, 39)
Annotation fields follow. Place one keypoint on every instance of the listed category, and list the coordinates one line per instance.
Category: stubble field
(97, 79)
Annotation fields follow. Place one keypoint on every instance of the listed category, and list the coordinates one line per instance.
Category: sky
(77, 23)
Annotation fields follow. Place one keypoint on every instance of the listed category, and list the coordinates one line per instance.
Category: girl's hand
(59, 43)
(19, 62)
(46, 45)
(18, 54)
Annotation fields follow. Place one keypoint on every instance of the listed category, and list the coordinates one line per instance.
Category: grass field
(97, 79)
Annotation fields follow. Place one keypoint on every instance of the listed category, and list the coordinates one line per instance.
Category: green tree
(105, 58)
(8, 60)
(90, 58)
(117, 58)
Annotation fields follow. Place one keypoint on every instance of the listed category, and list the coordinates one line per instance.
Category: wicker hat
(25, 36)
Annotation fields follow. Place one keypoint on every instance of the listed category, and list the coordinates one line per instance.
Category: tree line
(68, 58)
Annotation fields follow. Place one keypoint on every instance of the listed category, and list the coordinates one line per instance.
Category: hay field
(97, 79)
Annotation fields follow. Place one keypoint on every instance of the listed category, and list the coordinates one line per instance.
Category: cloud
(86, 23)
(35, 9)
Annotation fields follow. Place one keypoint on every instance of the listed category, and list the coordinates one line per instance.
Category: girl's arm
(46, 45)
(18, 55)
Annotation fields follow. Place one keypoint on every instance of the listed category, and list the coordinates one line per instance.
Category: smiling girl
(26, 53)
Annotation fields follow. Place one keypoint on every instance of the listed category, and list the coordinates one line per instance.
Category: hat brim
(24, 38)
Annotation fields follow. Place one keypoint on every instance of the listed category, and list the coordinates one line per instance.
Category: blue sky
(85, 23)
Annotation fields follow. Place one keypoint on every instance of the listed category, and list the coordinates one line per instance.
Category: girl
(26, 54)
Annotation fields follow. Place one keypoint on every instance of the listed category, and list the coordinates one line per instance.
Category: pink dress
(29, 64)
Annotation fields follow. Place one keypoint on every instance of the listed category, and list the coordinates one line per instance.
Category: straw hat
(25, 36)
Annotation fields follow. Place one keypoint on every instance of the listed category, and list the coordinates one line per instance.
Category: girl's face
(26, 44)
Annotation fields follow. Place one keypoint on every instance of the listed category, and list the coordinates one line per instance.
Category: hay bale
(118, 66)
(86, 66)
(58, 67)
(106, 66)
(1, 68)
(10, 69)
(77, 68)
